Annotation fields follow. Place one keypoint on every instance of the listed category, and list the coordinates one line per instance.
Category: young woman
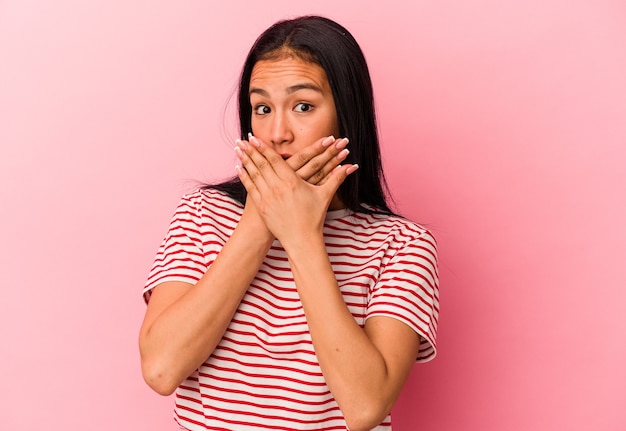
(291, 297)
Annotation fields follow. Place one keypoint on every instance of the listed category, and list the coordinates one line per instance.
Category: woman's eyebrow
(259, 91)
(290, 89)
(306, 86)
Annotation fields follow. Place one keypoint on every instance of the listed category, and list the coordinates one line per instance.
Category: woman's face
(292, 104)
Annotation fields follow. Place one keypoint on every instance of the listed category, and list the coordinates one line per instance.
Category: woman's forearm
(182, 332)
(182, 329)
(353, 367)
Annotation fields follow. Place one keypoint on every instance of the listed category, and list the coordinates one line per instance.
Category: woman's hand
(315, 162)
(291, 207)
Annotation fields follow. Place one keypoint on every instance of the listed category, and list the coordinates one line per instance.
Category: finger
(322, 164)
(337, 177)
(321, 176)
(305, 155)
(252, 172)
(323, 180)
(269, 163)
(247, 183)
(318, 178)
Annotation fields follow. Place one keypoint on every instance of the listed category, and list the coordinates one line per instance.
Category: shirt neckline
(335, 214)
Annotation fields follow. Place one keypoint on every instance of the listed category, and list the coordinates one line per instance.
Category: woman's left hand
(290, 207)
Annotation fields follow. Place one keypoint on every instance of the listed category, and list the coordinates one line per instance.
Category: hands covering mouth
(314, 163)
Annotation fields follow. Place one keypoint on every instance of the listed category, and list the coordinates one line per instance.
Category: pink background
(504, 131)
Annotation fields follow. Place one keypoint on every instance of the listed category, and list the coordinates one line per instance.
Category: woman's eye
(262, 110)
(303, 107)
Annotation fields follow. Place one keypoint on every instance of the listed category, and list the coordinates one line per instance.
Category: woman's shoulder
(392, 224)
(208, 195)
(206, 200)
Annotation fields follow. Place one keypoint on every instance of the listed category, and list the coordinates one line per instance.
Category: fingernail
(343, 154)
(238, 152)
(329, 140)
(352, 169)
(241, 144)
(253, 140)
(341, 143)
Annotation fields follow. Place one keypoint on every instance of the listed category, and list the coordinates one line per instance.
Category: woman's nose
(281, 130)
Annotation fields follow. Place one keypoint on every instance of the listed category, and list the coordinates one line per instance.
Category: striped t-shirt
(264, 374)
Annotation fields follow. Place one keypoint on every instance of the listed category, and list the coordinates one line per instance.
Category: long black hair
(322, 41)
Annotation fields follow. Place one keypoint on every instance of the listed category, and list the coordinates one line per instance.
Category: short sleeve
(180, 256)
(408, 289)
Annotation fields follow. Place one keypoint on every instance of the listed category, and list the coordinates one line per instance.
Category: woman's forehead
(288, 73)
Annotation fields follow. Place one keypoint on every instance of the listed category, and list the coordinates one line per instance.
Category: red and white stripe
(264, 374)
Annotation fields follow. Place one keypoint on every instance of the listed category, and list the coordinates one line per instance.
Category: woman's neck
(336, 204)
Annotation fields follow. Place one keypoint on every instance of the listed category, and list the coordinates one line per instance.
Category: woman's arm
(184, 322)
(365, 369)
